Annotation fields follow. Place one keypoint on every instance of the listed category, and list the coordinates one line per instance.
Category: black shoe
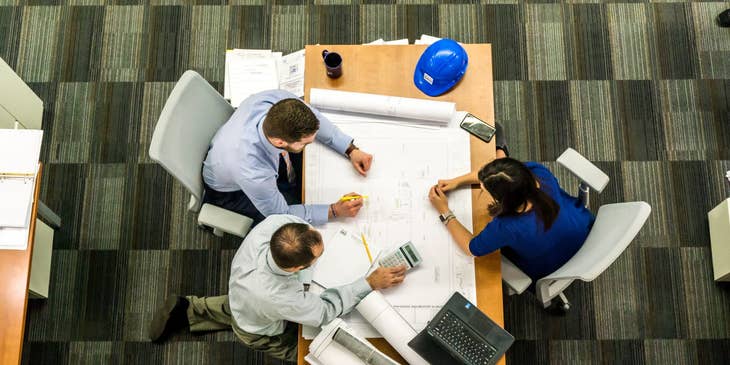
(723, 19)
(172, 316)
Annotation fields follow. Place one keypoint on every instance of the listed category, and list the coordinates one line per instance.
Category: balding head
(295, 245)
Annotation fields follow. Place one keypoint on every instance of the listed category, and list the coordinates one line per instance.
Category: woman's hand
(448, 185)
(438, 199)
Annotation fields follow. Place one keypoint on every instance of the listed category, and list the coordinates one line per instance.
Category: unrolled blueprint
(407, 161)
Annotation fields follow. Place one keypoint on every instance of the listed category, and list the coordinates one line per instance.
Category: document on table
(291, 73)
(381, 42)
(342, 248)
(248, 71)
(407, 161)
(19, 153)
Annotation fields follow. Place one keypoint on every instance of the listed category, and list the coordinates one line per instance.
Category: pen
(367, 249)
(352, 197)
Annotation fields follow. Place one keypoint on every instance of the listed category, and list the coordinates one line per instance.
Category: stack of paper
(249, 71)
(380, 42)
(19, 154)
(426, 39)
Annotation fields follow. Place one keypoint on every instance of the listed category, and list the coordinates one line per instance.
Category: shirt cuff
(340, 144)
(361, 288)
(320, 213)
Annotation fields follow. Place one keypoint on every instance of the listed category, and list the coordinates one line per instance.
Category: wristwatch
(446, 217)
(504, 148)
(351, 148)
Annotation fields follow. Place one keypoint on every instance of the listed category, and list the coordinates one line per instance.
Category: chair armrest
(584, 169)
(224, 220)
(515, 279)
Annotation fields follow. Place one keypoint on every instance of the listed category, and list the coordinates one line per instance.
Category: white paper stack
(381, 42)
(248, 71)
(19, 154)
(426, 39)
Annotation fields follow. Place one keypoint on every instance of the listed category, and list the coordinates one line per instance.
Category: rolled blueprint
(434, 113)
(363, 350)
(390, 324)
(336, 345)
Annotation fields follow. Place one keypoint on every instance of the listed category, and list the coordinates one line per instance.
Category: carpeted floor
(643, 88)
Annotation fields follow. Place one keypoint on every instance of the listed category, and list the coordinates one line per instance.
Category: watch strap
(349, 150)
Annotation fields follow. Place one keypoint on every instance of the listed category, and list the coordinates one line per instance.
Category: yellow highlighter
(367, 249)
(352, 197)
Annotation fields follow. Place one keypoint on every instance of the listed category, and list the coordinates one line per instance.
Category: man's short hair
(290, 120)
(291, 245)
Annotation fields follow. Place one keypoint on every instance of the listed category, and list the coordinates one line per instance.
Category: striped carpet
(643, 88)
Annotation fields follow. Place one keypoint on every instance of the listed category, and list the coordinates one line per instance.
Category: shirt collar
(265, 141)
(273, 267)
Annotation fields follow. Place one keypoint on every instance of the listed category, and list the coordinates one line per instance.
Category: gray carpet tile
(640, 87)
(629, 31)
(665, 351)
(587, 42)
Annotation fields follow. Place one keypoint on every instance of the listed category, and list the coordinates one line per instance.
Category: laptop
(461, 334)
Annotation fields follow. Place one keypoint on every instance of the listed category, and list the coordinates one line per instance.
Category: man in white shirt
(266, 296)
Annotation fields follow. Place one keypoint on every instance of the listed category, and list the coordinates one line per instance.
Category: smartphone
(477, 127)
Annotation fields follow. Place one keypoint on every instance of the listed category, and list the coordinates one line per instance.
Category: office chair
(191, 116)
(615, 227)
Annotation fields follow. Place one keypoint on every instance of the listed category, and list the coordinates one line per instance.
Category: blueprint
(407, 161)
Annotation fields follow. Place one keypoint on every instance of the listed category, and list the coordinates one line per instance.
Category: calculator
(405, 255)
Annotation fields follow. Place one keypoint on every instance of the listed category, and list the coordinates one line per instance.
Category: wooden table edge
(9, 356)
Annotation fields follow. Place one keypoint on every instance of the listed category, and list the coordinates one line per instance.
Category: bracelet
(332, 210)
(449, 219)
(444, 217)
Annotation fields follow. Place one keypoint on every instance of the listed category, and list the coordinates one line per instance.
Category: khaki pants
(214, 314)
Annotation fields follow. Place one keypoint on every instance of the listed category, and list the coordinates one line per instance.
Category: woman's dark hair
(290, 120)
(512, 185)
(291, 245)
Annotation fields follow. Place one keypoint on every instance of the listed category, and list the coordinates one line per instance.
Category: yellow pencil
(367, 249)
(352, 197)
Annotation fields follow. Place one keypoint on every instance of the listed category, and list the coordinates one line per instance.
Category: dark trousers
(238, 202)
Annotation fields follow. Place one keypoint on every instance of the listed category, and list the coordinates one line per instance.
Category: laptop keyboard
(454, 334)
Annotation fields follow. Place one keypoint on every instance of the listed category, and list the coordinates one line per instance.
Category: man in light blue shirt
(253, 166)
(266, 297)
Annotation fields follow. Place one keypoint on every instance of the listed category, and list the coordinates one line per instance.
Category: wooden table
(14, 279)
(388, 70)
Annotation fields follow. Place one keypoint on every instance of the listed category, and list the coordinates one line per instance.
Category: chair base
(559, 305)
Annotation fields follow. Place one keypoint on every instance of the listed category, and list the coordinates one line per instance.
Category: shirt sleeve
(541, 172)
(267, 198)
(315, 310)
(488, 240)
(330, 135)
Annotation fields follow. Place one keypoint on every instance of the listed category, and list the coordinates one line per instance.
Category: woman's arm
(461, 235)
(466, 179)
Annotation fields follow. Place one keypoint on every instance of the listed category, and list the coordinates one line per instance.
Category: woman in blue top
(538, 226)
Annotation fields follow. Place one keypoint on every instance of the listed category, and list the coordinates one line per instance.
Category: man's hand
(361, 161)
(385, 277)
(348, 208)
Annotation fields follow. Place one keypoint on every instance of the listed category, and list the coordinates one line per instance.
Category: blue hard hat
(440, 67)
